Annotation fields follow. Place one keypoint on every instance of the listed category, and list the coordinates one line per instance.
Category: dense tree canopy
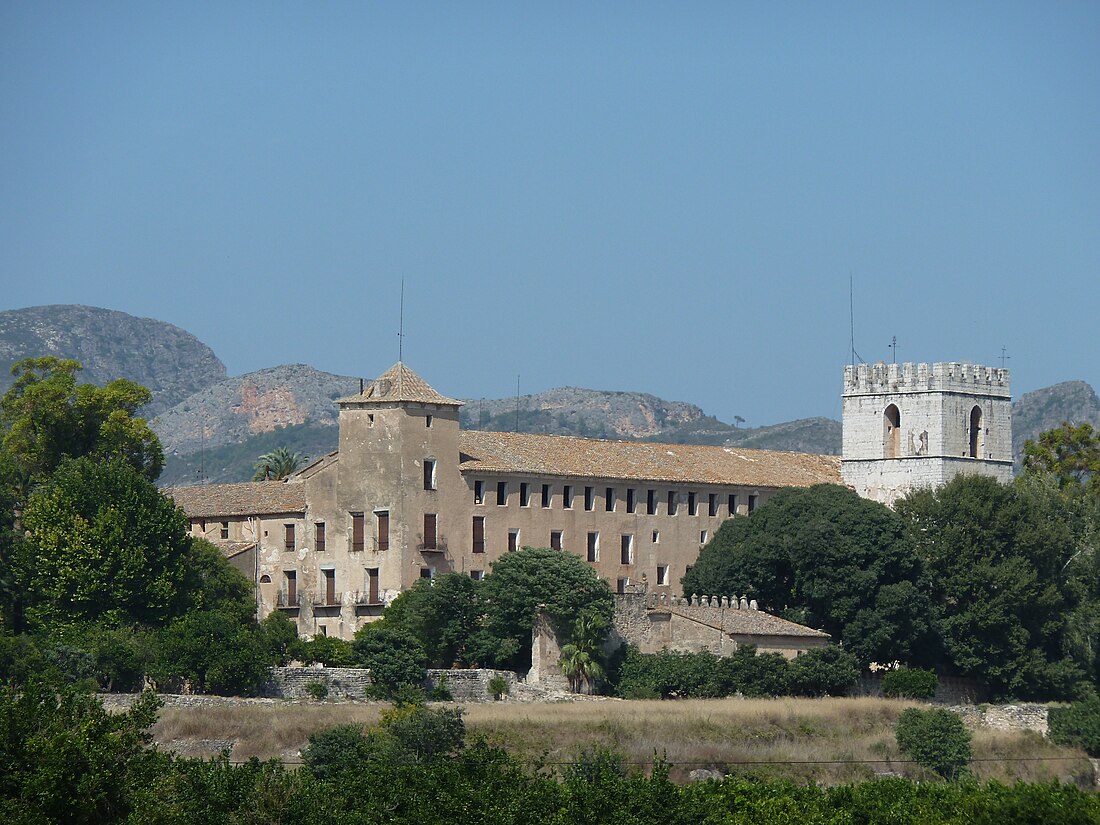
(1070, 454)
(828, 558)
(443, 614)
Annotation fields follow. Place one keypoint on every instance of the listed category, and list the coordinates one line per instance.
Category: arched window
(891, 432)
(976, 432)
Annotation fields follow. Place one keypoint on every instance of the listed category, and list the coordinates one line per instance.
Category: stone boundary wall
(952, 690)
(470, 685)
(342, 682)
(1026, 716)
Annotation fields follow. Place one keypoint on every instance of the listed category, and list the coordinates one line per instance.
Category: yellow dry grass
(827, 740)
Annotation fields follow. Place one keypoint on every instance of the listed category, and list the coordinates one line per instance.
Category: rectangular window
(631, 504)
(594, 546)
(567, 496)
(203, 525)
(370, 419)
(502, 493)
(479, 534)
(425, 572)
(753, 500)
(662, 575)
(524, 494)
(622, 584)
(319, 537)
(479, 492)
(702, 536)
(429, 474)
(712, 505)
(428, 421)
(429, 531)
(477, 575)
(372, 586)
(328, 583)
(383, 518)
(545, 495)
(672, 502)
(656, 536)
(651, 502)
(513, 539)
(288, 537)
(609, 500)
(733, 504)
(291, 577)
(357, 532)
(225, 530)
(626, 549)
(555, 539)
(693, 506)
(589, 498)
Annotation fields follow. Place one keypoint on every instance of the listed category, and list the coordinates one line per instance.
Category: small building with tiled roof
(408, 495)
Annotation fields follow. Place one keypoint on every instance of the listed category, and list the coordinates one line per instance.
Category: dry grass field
(825, 740)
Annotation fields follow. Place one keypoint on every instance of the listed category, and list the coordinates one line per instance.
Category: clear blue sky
(660, 197)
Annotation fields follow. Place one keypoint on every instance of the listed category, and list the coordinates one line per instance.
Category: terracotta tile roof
(315, 467)
(743, 622)
(399, 383)
(555, 455)
(255, 498)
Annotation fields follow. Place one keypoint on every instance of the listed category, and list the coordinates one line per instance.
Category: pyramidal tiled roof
(399, 383)
(556, 455)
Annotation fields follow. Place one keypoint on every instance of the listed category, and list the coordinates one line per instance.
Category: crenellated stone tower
(908, 426)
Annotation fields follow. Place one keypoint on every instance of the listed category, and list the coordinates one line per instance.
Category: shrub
(335, 750)
(1077, 725)
(329, 651)
(441, 692)
(317, 690)
(395, 659)
(498, 687)
(425, 734)
(935, 739)
(824, 671)
(909, 683)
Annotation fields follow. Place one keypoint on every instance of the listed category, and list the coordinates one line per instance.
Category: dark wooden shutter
(479, 534)
(429, 531)
(383, 531)
(357, 531)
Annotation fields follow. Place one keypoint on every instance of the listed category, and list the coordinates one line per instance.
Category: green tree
(395, 658)
(103, 543)
(214, 651)
(580, 658)
(997, 555)
(824, 671)
(935, 739)
(443, 614)
(825, 557)
(47, 417)
(1070, 454)
(277, 464)
(522, 584)
(211, 583)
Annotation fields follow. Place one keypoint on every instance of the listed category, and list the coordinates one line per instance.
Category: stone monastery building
(409, 495)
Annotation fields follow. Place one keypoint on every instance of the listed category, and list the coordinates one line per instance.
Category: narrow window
(589, 498)
(502, 493)
(203, 523)
(425, 572)
(651, 502)
(328, 579)
(428, 421)
(383, 517)
(626, 549)
(477, 575)
(752, 502)
(319, 537)
(479, 534)
(479, 492)
(429, 474)
(322, 629)
(631, 503)
(288, 537)
(291, 577)
(891, 432)
(225, 530)
(609, 500)
(429, 531)
(693, 507)
(702, 536)
(567, 497)
(672, 502)
(370, 419)
(733, 504)
(513, 539)
(555, 539)
(524, 494)
(545, 495)
(594, 546)
(622, 584)
(976, 432)
(357, 531)
(656, 536)
(662, 575)
(712, 505)
(372, 586)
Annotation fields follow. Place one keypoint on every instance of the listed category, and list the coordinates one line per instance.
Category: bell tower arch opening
(891, 432)
(976, 440)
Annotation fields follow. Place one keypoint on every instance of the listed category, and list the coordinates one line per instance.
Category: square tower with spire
(908, 426)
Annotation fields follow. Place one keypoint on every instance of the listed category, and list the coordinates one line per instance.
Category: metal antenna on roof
(517, 402)
(852, 320)
(894, 347)
(401, 325)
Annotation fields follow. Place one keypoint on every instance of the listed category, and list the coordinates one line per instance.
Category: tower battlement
(874, 379)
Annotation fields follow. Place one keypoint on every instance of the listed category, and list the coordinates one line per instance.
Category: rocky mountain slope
(1045, 409)
(170, 361)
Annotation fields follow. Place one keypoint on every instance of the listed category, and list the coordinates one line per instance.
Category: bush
(317, 690)
(395, 659)
(335, 750)
(824, 671)
(498, 687)
(1077, 725)
(935, 739)
(441, 692)
(909, 683)
(329, 651)
(425, 734)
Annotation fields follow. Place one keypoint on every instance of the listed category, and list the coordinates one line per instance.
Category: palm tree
(580, 659)
(277, 465)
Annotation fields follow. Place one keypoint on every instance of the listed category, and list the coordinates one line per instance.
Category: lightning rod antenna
(401, 325)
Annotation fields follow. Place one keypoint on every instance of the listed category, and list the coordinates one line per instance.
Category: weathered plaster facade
(908, 426)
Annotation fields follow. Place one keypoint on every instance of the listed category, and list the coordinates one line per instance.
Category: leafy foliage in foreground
(936, 739)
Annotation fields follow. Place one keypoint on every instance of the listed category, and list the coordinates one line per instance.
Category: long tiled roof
(255, 498)
(745, 622)
(555, 455)
(399, 383)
